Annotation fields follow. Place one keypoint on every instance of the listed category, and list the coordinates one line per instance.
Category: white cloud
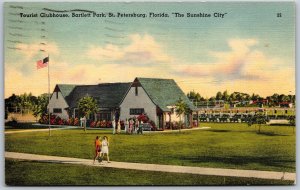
(143, 50)
(243, 68)
(230, 65)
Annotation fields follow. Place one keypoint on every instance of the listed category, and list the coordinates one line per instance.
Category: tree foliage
(273, 100)
(87, 105)
(258, 119)
(182, 109)
(292, 121)
(40, 107)
(26, 101)
(196, 97)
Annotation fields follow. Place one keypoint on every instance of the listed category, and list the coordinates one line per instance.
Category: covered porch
(167, 119)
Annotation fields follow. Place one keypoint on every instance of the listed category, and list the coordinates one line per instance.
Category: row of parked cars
(235, 117)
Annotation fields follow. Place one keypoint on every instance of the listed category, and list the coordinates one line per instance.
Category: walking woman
(104, 149)
(97, 148)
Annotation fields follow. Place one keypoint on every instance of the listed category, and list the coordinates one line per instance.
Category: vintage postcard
(149, 93)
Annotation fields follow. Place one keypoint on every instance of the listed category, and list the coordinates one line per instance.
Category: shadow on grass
(267, 133)
(270, 134)
(57, 161)
(241, 160)
(221, 131)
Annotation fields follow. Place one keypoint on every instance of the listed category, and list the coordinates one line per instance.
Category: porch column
(191, 119)
(197, 114)
(170, 120)
(163, 120)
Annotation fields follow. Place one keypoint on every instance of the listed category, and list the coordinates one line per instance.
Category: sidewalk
(77, 127)
(38, 130)
(157, 167)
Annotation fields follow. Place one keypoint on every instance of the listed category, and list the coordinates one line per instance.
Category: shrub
(153, 126)
(98, 124)
(108, 124)
(103, 123)
(178, 125)
(76, 122)
(12, 123)
(93, 124)
(70, 121)
(143, 117)
(6, 114)
(169, 125)
(175, 126)
(57, 120)
(45, 119)
(292, 120)
(52, 121)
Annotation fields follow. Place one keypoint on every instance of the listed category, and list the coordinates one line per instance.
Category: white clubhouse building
(152, 96)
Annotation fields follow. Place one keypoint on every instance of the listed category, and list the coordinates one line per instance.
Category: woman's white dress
(104, 149)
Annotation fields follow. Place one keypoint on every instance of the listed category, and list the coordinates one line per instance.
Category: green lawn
(232, 145)
(20, 173)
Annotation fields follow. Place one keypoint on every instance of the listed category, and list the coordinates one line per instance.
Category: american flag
(42, 63)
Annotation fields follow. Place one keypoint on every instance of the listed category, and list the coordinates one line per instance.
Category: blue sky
(250, 49)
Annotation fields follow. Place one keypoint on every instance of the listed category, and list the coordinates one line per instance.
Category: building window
(136, 111)
(56, 95)
(103, 116)
(136, 91)
(57, 110)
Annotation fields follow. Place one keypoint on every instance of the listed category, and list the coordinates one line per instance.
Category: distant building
(286, 104)
(260, 103)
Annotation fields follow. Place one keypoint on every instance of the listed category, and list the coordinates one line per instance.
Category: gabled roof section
(108, 95)
(164, 92)
(65, 89)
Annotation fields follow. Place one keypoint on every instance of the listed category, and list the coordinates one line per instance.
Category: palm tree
(180, 110)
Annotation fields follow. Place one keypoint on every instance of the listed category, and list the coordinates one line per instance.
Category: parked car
(146, 127)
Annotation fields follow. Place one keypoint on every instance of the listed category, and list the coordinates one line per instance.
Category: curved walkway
(157, 167)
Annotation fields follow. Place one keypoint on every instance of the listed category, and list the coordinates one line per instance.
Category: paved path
(176, 131)
(157, 167)
(76, 127)
(36, 130)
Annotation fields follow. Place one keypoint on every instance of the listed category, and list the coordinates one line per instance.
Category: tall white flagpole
(49, 93)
